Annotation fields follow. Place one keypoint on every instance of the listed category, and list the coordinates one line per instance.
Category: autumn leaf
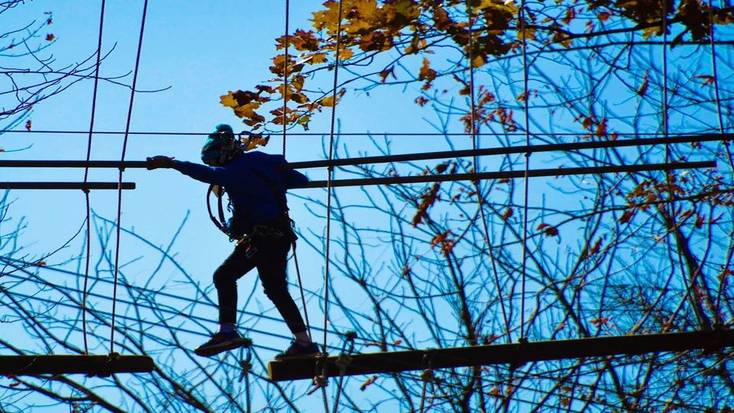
(527, 33)
(601, 128)
(603, 16)
(427, 199)
(345, 54)
(600, 321)
(247, 110)
(548, 230)
(570, 15)
(507, 214)
(228, 100)
(317, 59)
(50, 37)
(426, 73)
(328, 101)
(627, 216)
(478, 61)
(387, 72)
(643, 87)
(706, 79)
(367, 382)
(28, 125)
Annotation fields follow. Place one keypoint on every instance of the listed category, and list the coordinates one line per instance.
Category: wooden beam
(509, 150)
(569, 146)
(74, 364)
(66, 185)
(533, 173)
(514, 354)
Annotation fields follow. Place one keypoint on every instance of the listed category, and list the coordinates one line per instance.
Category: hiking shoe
(299, 350)
(221, 342)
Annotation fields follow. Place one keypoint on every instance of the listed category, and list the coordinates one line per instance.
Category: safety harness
(265, 231)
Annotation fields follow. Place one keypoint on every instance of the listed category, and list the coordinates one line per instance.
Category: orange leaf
(507, 214)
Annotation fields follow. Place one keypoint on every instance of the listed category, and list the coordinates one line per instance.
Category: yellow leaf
(328, 101)
(318, 58)
(478, 61)
(228, 100)
(248, 110)
(345, 54)
(527, 33)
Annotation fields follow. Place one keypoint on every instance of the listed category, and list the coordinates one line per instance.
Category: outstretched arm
(203, 173)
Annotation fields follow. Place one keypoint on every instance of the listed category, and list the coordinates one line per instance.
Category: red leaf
(507, 214)
(706, 79)
(548, 230)
(367, 382)
(643, 87)
(50, 37)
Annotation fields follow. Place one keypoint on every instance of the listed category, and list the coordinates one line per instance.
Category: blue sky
(196, 51)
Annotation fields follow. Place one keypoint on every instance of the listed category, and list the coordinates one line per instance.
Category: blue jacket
(255, 182)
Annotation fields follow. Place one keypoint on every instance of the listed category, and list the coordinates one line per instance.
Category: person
(256, 183)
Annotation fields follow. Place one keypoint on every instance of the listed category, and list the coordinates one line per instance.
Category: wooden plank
(74, 364)
(66, 185)
(393, 362)
(532, 173)
(504, 150)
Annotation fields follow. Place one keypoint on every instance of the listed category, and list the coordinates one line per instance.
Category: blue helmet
(221, 146)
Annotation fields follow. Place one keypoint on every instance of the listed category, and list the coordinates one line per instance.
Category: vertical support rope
(88, 246)
(717, 96)
(330, 174)
(285, 71)
(119, 178)
(526, 181)
(715, 74)
(285, 118)
(477, 183)
(329, 178)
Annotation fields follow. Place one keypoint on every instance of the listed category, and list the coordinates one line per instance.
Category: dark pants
(270, 259)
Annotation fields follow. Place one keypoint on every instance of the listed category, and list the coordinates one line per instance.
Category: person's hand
(159, 161)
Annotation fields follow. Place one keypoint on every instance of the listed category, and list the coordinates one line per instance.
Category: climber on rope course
(256, 183)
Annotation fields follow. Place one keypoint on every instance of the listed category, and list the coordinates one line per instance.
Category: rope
(527, 168)
(477, 183)
(303, 295)
(715, 74)
(88, 243)
(119, 179)
(246, 366)
(285, 73)
(330, 174)
(717, 96)
(343, 362)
